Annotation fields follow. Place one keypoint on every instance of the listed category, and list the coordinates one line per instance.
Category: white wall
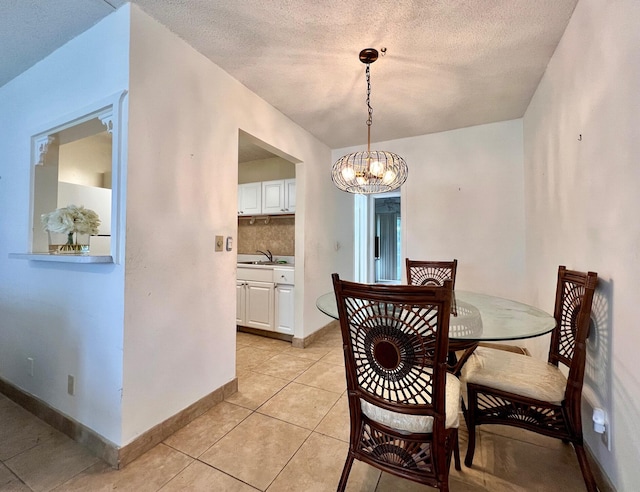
(145, 347)
(463, 199)
(582, 206)
(86, 161)
(179, 342)
(67, 317)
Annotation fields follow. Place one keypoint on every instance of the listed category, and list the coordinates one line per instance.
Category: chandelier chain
(370, 109)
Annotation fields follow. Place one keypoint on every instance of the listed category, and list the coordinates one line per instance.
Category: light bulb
(361, 180)
(376, 168)
(389, 176)
(348, 174)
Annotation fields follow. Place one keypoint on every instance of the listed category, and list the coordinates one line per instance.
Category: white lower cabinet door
(285, 309)
(240, 302)
(259, 305)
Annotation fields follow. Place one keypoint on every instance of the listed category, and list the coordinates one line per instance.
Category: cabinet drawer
(283, 276)
(257, 274)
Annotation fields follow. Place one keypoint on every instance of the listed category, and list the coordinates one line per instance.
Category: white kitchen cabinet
(250, 198)
(285, 309)
(265, 298)
(283, 278)
(240, 302)
(279, 196)
(255, 293)
(260, 305)
(290, 195)
(255, 304)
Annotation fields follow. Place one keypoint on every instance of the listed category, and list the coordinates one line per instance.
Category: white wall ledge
(61, 258)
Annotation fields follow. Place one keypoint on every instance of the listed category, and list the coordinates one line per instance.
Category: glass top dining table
(480, 317)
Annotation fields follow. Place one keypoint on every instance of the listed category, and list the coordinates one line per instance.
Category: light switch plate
(219, 243)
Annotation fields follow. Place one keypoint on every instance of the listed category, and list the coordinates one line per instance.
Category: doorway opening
(266, 201)
(266, 240)
(378, 238)
(387, 246)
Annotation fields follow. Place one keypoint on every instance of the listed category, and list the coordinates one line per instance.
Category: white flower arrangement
(71, 220)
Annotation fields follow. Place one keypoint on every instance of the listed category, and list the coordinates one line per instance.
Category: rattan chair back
(431, 272)
(395, 340)
(574, 298)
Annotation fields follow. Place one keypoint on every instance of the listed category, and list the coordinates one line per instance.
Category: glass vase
(72, 243)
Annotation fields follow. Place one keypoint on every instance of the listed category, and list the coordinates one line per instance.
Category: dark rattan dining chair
(404, 406)
(424, 272)
(431, 272)
(512, 389)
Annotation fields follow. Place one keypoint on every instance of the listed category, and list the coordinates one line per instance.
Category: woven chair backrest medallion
(430, 273)
(430, 281)
(574, 308)
(568, 323)
(393, 346)
(429, 276)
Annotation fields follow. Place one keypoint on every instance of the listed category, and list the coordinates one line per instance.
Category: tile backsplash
(278, 236)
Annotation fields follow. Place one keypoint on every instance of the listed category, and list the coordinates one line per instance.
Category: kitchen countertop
(267, 267)
(244, 260)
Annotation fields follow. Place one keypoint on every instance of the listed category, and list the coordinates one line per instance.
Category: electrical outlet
(71, 385)
(30, 361)
(601, 426)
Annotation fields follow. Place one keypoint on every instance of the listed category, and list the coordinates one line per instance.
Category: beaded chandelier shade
(370, 171)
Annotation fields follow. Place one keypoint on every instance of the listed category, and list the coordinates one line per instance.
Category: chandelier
(370, 171)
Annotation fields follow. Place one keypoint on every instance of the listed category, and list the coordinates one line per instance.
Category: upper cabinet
(279, 196)
(250, 199)
(267, 197)
(290, 194)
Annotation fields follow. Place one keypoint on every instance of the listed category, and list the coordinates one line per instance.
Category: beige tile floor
(286, 429)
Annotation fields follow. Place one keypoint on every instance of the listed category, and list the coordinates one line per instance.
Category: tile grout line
(311, 431)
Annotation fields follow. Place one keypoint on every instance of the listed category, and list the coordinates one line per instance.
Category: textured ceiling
(449, 64)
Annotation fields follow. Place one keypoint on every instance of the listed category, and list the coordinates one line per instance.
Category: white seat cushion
(515, 373)
(419, 423)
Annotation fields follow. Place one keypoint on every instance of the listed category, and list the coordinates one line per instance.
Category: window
(78, 162)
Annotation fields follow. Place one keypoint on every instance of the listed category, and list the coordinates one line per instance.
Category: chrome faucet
(268, 254)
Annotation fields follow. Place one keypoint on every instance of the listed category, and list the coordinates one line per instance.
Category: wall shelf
(267, 218)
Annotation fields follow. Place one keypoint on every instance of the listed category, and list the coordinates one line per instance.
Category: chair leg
(456, 452)
(464, 412)
(345, 473)
(471, 425)
(589, 480)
